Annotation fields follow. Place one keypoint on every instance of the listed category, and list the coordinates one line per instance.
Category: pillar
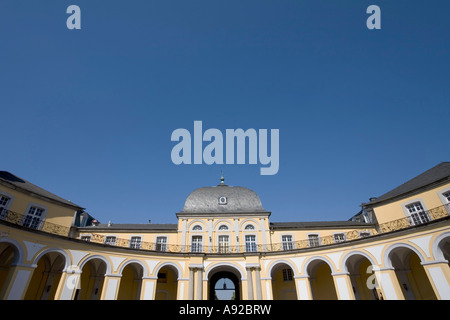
(303, 287)
(148, 288)
(249, 284)
(68, 284)
(111, 287)
(438, 273)
(343, 286)
(387, 280)
(17, 281)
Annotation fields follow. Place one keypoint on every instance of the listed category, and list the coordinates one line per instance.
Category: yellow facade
(397, 248)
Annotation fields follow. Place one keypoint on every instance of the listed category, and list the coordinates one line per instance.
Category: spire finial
(222, 179)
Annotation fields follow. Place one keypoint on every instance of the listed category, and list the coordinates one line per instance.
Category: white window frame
(161, 245)
(196, 246)
(4, 209)
(445, 200)
(313, 240)
(110, 243)
(86, 237)
(250, 245)
(224, 246)
(287, 244)
(136, 244)
(41, 217)
(197, 227)
(419, 216)
(288, 274)
(339, 234)
(364, 234)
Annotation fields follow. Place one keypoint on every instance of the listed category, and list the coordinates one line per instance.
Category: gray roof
(318, 224)
(436, 175)
(28, 187)
(134, 227)
(237, 200)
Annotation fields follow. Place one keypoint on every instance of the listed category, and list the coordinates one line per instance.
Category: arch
(10, 256)
(244, 223)
(359, 266)
(66, 256)
(320, 272)
(438, 245)
(195, 222)
(134, 261)
(412, 278)
(168, 274)
(313, 261)
(102, 258)
(351, 255)
(398, 246)
(281, 274)
(275, 263)
(19, 253)
(224, 265)
(224, 271)
(221, 222)
(132, 272)
(50, 264)
(172, 265)
(93, 271)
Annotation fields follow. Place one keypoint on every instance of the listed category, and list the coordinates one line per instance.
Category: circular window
(249, 227)
(197, 227)
(223, 227)
(222, 200)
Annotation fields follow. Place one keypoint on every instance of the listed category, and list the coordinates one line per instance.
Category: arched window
(223, 227)
(249, 227)
(197, 227)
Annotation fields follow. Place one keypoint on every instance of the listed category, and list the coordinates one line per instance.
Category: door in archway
(224, 285)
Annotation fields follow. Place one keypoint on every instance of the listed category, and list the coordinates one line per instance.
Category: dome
(223, 199)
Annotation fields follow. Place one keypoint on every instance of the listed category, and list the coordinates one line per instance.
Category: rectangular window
(447, 196)
(339, 237)
(364, 234)
(33, 218)
(3, 205)
(287, 242)
(161, 244)
(250, 243)
(287, 274)
(417, 213)
(224, 245)
(196, 243)
(313, 240)
(86, 238)
(135, 242)
(110, 240)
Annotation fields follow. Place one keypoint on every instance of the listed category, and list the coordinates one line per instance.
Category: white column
(303, 288)
(258, 284)
(249, 283)
(343, 286)
(437, 273)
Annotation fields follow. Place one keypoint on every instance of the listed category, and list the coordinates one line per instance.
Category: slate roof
(133, 227)
(438, 174)
(28, 187)
(238, 200)
(318, 224)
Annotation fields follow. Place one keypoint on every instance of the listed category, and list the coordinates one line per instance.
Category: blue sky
(88, 114)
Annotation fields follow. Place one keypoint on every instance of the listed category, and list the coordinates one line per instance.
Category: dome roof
(223, 199)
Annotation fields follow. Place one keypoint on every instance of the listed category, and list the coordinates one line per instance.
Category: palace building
(224, 244)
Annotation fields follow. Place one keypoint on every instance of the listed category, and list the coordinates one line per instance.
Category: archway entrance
(224, 285)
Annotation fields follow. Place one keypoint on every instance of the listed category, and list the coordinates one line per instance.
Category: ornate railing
(42, 225)
(424, 217)
(32, 222)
